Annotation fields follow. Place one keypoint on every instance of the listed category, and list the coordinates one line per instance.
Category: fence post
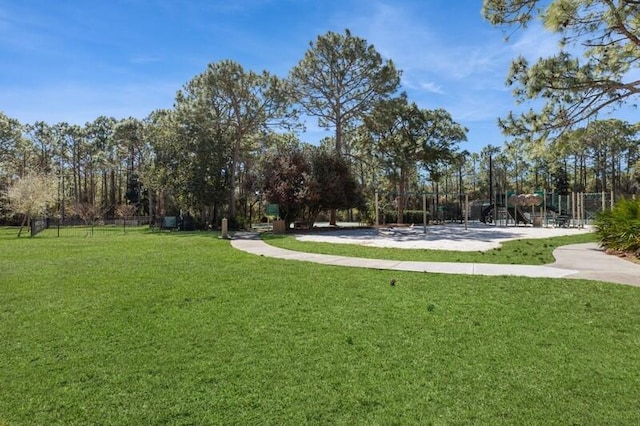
(573, 209)
(612, 199)
(466, 211)
(424, 212)
(376, 208)
(544, 207)
(582, 209)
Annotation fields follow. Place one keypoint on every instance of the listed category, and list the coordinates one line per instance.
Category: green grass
(525, 251)
(180, 328)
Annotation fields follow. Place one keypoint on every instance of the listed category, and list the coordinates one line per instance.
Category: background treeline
(231, 144)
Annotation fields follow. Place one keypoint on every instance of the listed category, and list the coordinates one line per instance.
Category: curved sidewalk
(580, 261)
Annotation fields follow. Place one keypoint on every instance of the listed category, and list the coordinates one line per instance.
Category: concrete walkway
(580, 261)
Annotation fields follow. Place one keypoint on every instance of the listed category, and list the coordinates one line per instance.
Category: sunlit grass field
(180, 328)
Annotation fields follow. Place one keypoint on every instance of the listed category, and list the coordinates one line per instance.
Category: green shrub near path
(619, 228)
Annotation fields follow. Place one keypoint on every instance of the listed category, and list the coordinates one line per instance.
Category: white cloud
(432, 87)
(534, 43)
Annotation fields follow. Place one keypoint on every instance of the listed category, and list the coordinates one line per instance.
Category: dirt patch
(626, 255)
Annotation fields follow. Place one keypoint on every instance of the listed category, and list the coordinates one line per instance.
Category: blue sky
(74, 60)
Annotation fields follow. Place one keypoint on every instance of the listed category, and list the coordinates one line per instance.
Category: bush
(619, 228)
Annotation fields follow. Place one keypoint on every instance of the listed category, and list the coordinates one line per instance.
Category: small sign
(169, 222)
(273, 209)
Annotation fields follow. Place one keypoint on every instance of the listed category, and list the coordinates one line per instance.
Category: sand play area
(477, 236)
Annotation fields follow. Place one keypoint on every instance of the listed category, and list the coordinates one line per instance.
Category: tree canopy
(31, 196)
(228, 141)
(340, 78)
(593, 71)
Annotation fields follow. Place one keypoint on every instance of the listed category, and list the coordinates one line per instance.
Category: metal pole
(424, 212)
(612, 199)
(544, 207)
(376, 208)
(559, 207)
(466, 211)
(582, 219)
(573, 208)
(506, 206)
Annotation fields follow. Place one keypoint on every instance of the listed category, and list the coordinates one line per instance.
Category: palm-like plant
(619, 228)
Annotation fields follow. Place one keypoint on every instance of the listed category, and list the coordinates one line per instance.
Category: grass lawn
(180, 328)
(520, 252)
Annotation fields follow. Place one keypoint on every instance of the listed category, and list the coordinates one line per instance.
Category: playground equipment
(575, 209)
(436, 213)
(511, 208)
(542, 208)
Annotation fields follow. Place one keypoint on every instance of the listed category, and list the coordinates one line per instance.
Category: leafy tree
(573, 89)
(331, 184)
(339, 80)
(600, 156)
(239, 104)
(488, 155)
(394, 128)
(10, 141)
(159, 170)
(561, 180)
(74, 160)
(10, 134)
(101, 162)
(126, 211)
(286, 179)
(439, 136)
(403, 136)
(192, 160)
(128, 136)
(43, 140)
(31, 195)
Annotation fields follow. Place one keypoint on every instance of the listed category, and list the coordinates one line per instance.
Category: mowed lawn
(180, 328)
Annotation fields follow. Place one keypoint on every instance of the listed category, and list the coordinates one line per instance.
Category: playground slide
(485, 213)
(519, 217)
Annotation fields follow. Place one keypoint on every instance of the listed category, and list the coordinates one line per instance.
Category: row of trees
(225, 142)
(594, 71)
(208, 155)
(397, 148)
(98, 164)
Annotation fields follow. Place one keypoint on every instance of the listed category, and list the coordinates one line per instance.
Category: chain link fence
(54, 227)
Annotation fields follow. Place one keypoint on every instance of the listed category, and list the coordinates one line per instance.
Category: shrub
(619, 228)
